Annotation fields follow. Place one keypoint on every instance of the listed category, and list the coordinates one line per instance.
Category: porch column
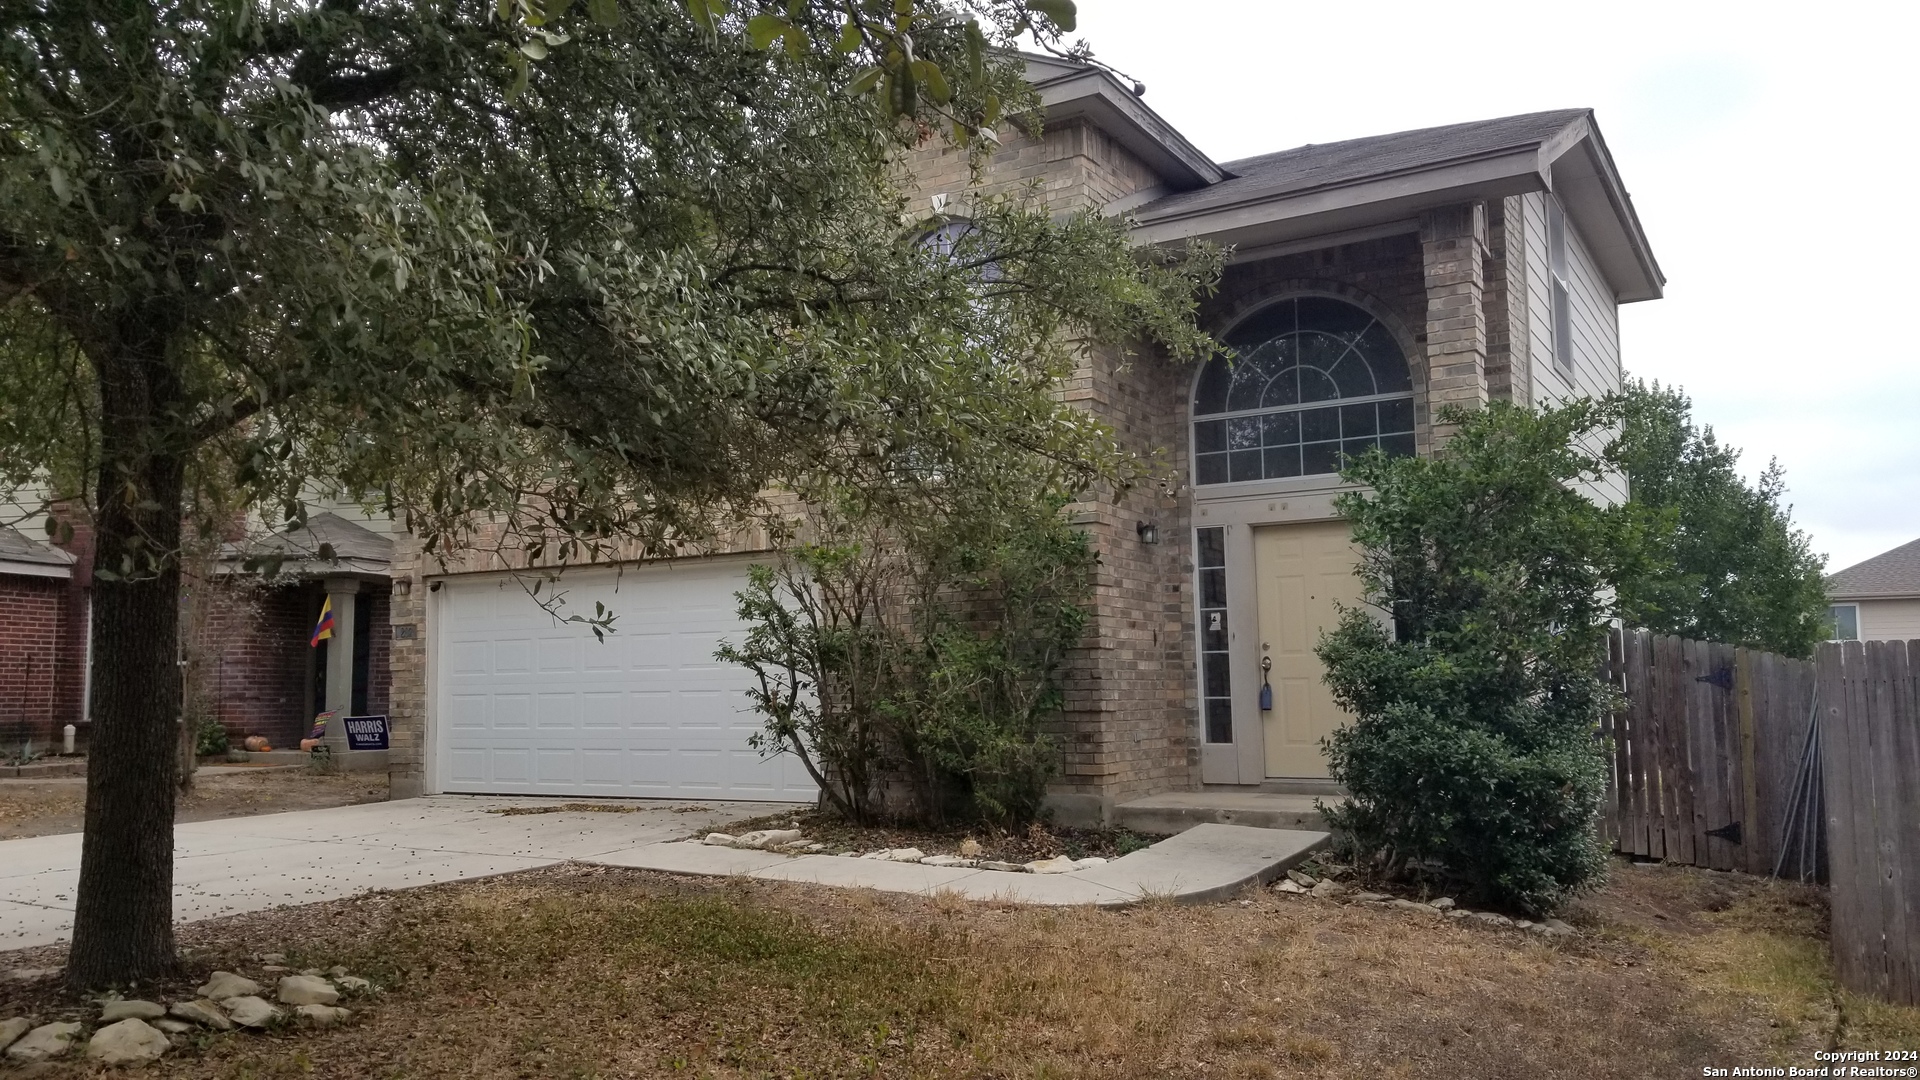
(342, 591)
(1453, 241)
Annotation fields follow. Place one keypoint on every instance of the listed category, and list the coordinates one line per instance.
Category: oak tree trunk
(123, 915)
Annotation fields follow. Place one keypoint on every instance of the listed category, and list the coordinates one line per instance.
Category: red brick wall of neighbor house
(260, 677)
(32, 622)
(255, 650)
(71, 688)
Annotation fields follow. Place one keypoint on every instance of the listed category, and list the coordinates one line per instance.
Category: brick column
(1453, 242)
(1508, 370)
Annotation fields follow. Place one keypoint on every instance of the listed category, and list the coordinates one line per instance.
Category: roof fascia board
(1324, 240)
(35, 569)
(1297, 214)
(1856, 597)
(1114, 109)
(1590, 189)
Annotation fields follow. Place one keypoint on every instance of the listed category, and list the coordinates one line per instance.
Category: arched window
(1314, 379)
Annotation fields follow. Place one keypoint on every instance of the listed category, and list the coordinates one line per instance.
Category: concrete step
(1177, 811)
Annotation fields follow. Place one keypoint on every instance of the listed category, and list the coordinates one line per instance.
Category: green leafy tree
(1474, 670)
(1727, 562)
(594, 277)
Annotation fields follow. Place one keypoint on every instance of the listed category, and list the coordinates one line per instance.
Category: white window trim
(1857, 630)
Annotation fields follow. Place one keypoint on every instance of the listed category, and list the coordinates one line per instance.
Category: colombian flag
(324, 628)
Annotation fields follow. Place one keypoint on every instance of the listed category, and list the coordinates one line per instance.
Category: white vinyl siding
(1889, 620)
(1592, 367)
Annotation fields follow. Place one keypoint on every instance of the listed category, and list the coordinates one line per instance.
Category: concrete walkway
(252, 863)
(1207, 862)
(275, 860)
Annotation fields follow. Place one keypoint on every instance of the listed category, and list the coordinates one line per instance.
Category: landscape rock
(1288, 885)
(337, 971)
(1445, 903)
(1371, 897)
(353, 984)
(1004, 867)
(307, 990)
(273, 958)
(321, 1016)
(11, 1030)
(225, 984)
(1305, 881)
(44, 1042)
(128, 1042)
(766, 838)
(719, 839)
(945, 860)
(1409, 905)
(204, 1013)
(1059, 864)
(1334, 870)
(1523, 924)
(1328, 890)
(250, 1011)
(173, 1027)
(1458, 913)
(1089, 862)
(1491, 918)
(905, 854)
(114, 1011)
(970, 848)
(1552, 928)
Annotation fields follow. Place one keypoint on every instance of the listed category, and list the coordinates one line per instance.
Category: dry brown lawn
(580, 972)
(44, 807)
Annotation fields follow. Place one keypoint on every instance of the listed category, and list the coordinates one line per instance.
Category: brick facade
(1130, 724)
(33, 633)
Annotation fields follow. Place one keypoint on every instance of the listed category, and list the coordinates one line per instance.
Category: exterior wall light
(1149, 532)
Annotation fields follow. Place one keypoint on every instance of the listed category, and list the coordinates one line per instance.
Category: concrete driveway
(274, 860)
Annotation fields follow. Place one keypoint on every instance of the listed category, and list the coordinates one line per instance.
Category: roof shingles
(1331, 164)
(1889, 575)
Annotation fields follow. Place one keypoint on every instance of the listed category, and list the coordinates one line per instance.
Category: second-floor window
(1314, 380)
(1558, 283)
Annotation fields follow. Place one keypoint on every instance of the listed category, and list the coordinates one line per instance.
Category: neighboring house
(1371, 282)
(43, 641)
(1878, 600)
(244, 639)
(258, 673)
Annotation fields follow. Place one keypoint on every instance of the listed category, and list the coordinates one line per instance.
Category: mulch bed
(1036, 841)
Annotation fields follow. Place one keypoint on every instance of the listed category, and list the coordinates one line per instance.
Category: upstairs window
(1562, 295)
(1314, 381)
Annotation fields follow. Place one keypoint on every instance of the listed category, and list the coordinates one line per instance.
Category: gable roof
(356, 549)
(21, 555)
(1889, 575)
(1332, 164)
(1069, 89)
(1357, 188)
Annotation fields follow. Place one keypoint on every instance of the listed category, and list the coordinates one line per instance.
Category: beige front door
(1301, 571)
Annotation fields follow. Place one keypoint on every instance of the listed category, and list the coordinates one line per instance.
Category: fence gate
(1708, 755)
(1870, 732)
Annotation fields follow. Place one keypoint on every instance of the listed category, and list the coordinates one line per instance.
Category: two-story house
(1371, 282)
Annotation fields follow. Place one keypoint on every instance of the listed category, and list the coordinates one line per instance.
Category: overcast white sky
(1770, 152)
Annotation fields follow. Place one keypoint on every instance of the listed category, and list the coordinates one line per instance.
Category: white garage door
(529, 705)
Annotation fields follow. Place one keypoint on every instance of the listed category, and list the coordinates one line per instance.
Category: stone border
(1206, 863)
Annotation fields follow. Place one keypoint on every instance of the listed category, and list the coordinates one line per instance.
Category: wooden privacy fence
(1870, 755)
(1711, 754)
